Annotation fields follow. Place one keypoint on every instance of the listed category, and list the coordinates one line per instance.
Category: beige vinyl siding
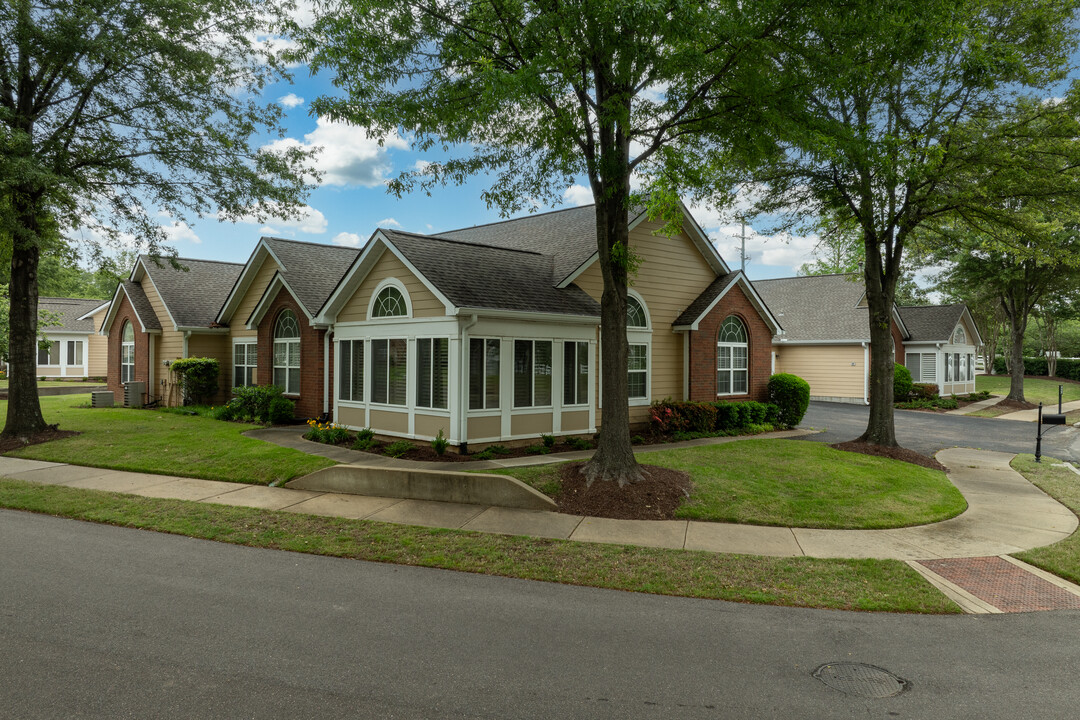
(531, 424)
(833, 371)
(390, 421)
(575, 421)
(48, 370)
(97, 348)
(218, 347)
(353, 417)
(170, 344)
(430, 425)
(672, 274)
(485, 427)
(246, 306)
(423, 301)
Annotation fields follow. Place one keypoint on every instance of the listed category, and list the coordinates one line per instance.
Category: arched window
(287, 352)
(959, 337)
(732, 358)
(637, 361)
(389, 303)
(127, 353)
(635, 313)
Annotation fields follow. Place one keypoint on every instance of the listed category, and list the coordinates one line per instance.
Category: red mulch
(654, 498)
(17, 443)
(893, 453)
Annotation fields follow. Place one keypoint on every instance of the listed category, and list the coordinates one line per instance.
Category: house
(486, 334)
(826, 338)
(76, 350)
(162, 313)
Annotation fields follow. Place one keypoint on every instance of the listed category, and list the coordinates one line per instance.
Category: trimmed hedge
(791, 396)
(197, 378)
(260, 403)
(901, 382)
(1068, 368)
(710, 418)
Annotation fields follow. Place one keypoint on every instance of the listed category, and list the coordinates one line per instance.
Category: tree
(539, 92)
(1058, 306)
(110, 106)
(912, 111)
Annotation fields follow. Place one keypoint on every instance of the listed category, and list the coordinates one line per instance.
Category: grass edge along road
(1062, 558)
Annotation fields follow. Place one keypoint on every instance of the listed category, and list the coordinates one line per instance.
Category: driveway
(929, 432)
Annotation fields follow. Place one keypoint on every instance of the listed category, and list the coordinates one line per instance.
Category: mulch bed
(654, 498)
(893, 453)
(11, 444)
(1016, 405)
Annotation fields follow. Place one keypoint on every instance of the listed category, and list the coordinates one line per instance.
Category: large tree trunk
(24, 409)
(880, 291)
(1017, 327)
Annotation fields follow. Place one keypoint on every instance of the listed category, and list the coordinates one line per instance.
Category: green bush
(397, 449)
(924, 391)
(537, 449)
(258, 403)
(439, 443)
(365, 434)
(364, 444)
(901, 382)
(197, 378)
(791, 395)
(1067, 368)
(580, 443)
(548, 440)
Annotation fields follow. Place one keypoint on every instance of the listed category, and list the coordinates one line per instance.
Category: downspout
(326, 372)
(463, 395)
(866, 373)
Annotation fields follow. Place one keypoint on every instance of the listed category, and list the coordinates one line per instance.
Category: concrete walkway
(976, 406)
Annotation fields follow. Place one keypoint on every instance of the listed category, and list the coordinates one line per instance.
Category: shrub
(580, 443)
(282, 410)
(439, 443)
(197, 378)
(537, 449)
(363, 444)
(637, 440)
(260, 403)
(548, 440)
(791, 395)
(397, 449)
(365, 434)
(924, 391)
(901, 382)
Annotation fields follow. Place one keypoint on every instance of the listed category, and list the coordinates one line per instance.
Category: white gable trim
(358, 272)
(146, 273)
(247, 276)
(971, 322)
(95, 311)
(114, 307)
(272, 289)
(755, 300)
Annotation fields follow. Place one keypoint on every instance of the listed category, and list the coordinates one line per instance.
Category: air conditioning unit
(102, 399)
(133, 394)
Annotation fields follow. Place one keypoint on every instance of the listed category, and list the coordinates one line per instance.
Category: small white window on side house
(732, 358)
(959, 337)
(287, 353)
(127, 353)
(245, 359)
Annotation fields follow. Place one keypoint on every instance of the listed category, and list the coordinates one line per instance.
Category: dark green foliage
(197, 378)
(901, 382)
(948, 403)
(924, 391)
(1068, 369)
(397, 449)
(791, 395)
(580, 443)
(537, 449)
(260, 403)
(364, 444)
(439, 443)
(687, 420)
(548, 440)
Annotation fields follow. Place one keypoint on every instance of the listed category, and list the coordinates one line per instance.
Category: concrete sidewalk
(1033, 415)
(976, 406)
(1005, 514)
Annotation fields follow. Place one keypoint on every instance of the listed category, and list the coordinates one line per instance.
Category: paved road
(108, 622)
(929, 432)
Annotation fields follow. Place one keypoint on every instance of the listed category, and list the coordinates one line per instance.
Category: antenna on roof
(742, 252)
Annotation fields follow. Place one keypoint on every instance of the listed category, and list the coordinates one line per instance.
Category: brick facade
(309, 401)
(703, 350)
(126, 313)
(898, 342)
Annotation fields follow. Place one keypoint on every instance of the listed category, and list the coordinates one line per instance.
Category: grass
(56, 383)
(880, 585)
(165, 443)
(1035, 389)
(1061, 558)
(795, 484)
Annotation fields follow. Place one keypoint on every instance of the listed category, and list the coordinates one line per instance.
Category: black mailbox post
(1047, 419)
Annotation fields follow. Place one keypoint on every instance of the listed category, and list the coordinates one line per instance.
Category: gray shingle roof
(67, 312)
(817, 307)
(931, 323)
(475, 275)
(193, 297)
(705, 299)
(142, 305)
(312, 270)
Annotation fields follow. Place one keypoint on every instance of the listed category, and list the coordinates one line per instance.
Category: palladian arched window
(127, 353)
(635, 313)
(637, 360)
(389, 303)
(287, 352)
(732, 358)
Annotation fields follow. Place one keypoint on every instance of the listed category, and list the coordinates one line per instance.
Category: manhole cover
(861, 680)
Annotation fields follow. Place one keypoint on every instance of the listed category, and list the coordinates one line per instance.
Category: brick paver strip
(1003, 585)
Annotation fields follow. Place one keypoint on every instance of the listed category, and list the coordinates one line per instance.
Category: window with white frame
(287, 353)
(732, 358)
(432, 372)
(127, 353)
(389, 361)
(74, 352)
(575, 373)
(245, 359)
(637, 371)
(971, 366)
(913, 362)
(635, 313)
(389, 303)
(49, 355)
(532, 373)
(351, 370)
(959, 337)
(948, 368)
(484, 373)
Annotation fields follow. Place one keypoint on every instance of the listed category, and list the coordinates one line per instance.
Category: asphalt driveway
(929, 432)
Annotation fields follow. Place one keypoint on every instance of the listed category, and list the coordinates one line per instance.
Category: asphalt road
(103, 622)
(929, 432)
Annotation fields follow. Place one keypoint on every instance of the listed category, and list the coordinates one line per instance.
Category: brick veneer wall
(703, 349)
(898, 342)
(309, 402)
(126, 313)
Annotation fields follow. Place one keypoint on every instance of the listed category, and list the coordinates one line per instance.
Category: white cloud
(180, 231)
(388, 222)
(347, 239)
(291, 100)
(783, 251)
(307, 220)
(346, 155)
(578, 195)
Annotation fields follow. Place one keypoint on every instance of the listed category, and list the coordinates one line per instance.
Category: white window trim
(642, 336)
(566, 372)
(273, 355)
(732, 369)
(484, 411)
(124, 344)
(369, 377)
(400, 287)
(431, 374)
(646, 400)
(243, 341)
(645, 308)
(532, 406)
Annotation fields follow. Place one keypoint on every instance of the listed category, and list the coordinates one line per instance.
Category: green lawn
(1061, 558)
(1035, 389)
(795, 484)
(882, 585)
(164, 443)
(56, 383)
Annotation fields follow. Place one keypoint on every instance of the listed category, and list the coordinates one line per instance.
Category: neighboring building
(488, 334)
(162, 313)
(826, 338)
(76, 350)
